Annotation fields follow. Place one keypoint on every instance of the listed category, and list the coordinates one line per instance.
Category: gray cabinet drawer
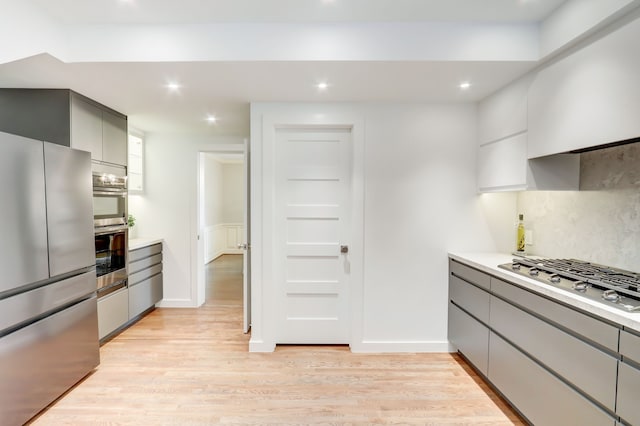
(539, 395)
(141, 264)
(144, 295)
(113, 312)
(144, 274)
(630, 346)
(38, 363)
(469, 274)
(144, 252)
(589, 369)
(629, 394)
(584, 325)
(469, 336)
(470, 298)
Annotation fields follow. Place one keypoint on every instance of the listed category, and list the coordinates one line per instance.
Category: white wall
(223, 196)
(232, 193)
(213, 191)
(420, 202)
(168, 207)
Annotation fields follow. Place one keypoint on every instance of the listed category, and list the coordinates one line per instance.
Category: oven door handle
(118, 193)
(110, 229)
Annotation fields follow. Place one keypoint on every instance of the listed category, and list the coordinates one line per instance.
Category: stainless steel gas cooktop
(610, 286)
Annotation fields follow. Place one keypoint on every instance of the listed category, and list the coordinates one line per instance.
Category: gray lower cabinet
(629, 379)
(113, 312)
(145, 279)
(470, 337)
(587, 368)
(555, 364)
(540, 396)
(469, 313)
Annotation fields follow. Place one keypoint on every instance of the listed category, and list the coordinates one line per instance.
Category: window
(136, 162)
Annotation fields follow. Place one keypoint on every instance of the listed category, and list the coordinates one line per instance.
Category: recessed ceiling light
(464, 85)
(323, 85)
(173, 86)
(211, 119)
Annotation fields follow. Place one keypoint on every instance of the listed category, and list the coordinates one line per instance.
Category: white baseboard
(261, 346)
(176, 303)
(378, 346)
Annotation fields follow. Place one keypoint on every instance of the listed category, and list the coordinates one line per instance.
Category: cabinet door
(503, 164)
(23, 221)
(504, 113)
(589, 98)
(566, 355)
(536, 393)
(86, 127)
(469, 336)
(113, 312)
(69, 209)
(114, 138)
(629, 393)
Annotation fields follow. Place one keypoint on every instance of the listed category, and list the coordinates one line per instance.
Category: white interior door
(312, 214)
(246, 240)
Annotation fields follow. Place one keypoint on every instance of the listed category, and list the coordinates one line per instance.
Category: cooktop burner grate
(613, 285)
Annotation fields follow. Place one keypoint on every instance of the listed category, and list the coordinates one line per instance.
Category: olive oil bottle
(520, 234)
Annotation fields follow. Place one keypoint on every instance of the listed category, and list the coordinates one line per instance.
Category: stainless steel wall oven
(110, 226)
(111, 258)
(109, 199)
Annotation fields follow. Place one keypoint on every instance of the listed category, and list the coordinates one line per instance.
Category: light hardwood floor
(191, 367)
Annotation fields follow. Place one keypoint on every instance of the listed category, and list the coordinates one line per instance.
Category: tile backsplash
(599, 223)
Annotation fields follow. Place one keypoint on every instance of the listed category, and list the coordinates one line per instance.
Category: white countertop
(488, 262)
(136, 243)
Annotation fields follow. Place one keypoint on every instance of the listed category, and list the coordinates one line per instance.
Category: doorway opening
(223, 272)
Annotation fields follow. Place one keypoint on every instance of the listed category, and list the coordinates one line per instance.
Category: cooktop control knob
(555, 278)
(533, 272)
(611, 296)
(580, 286)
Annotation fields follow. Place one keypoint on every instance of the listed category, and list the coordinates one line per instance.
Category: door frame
(198, 265)
(264, 298)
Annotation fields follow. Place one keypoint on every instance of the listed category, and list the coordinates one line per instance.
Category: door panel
(69, 209)
(23, 221)
(312, 212)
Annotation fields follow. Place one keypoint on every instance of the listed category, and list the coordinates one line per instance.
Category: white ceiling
(204, 11)
(225, 89)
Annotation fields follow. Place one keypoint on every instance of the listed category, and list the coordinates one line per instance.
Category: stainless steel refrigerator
(48, 310)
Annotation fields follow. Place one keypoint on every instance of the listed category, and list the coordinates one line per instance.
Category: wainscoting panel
(222, 239)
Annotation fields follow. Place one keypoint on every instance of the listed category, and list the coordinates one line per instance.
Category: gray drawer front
(630, 346)
(21, 307)
(144, 274)
(629, 394)
(586, 367)
(144, 295)
(113, 312)
(469, 274)
(470, 337)
(141, 264)
(592, 329)
(38, 363)
(470, 298)
(144, 252)
(540, 396)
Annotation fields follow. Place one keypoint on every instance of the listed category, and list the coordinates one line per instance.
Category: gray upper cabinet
(114, 138)
(86, 127)
(67, 118)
